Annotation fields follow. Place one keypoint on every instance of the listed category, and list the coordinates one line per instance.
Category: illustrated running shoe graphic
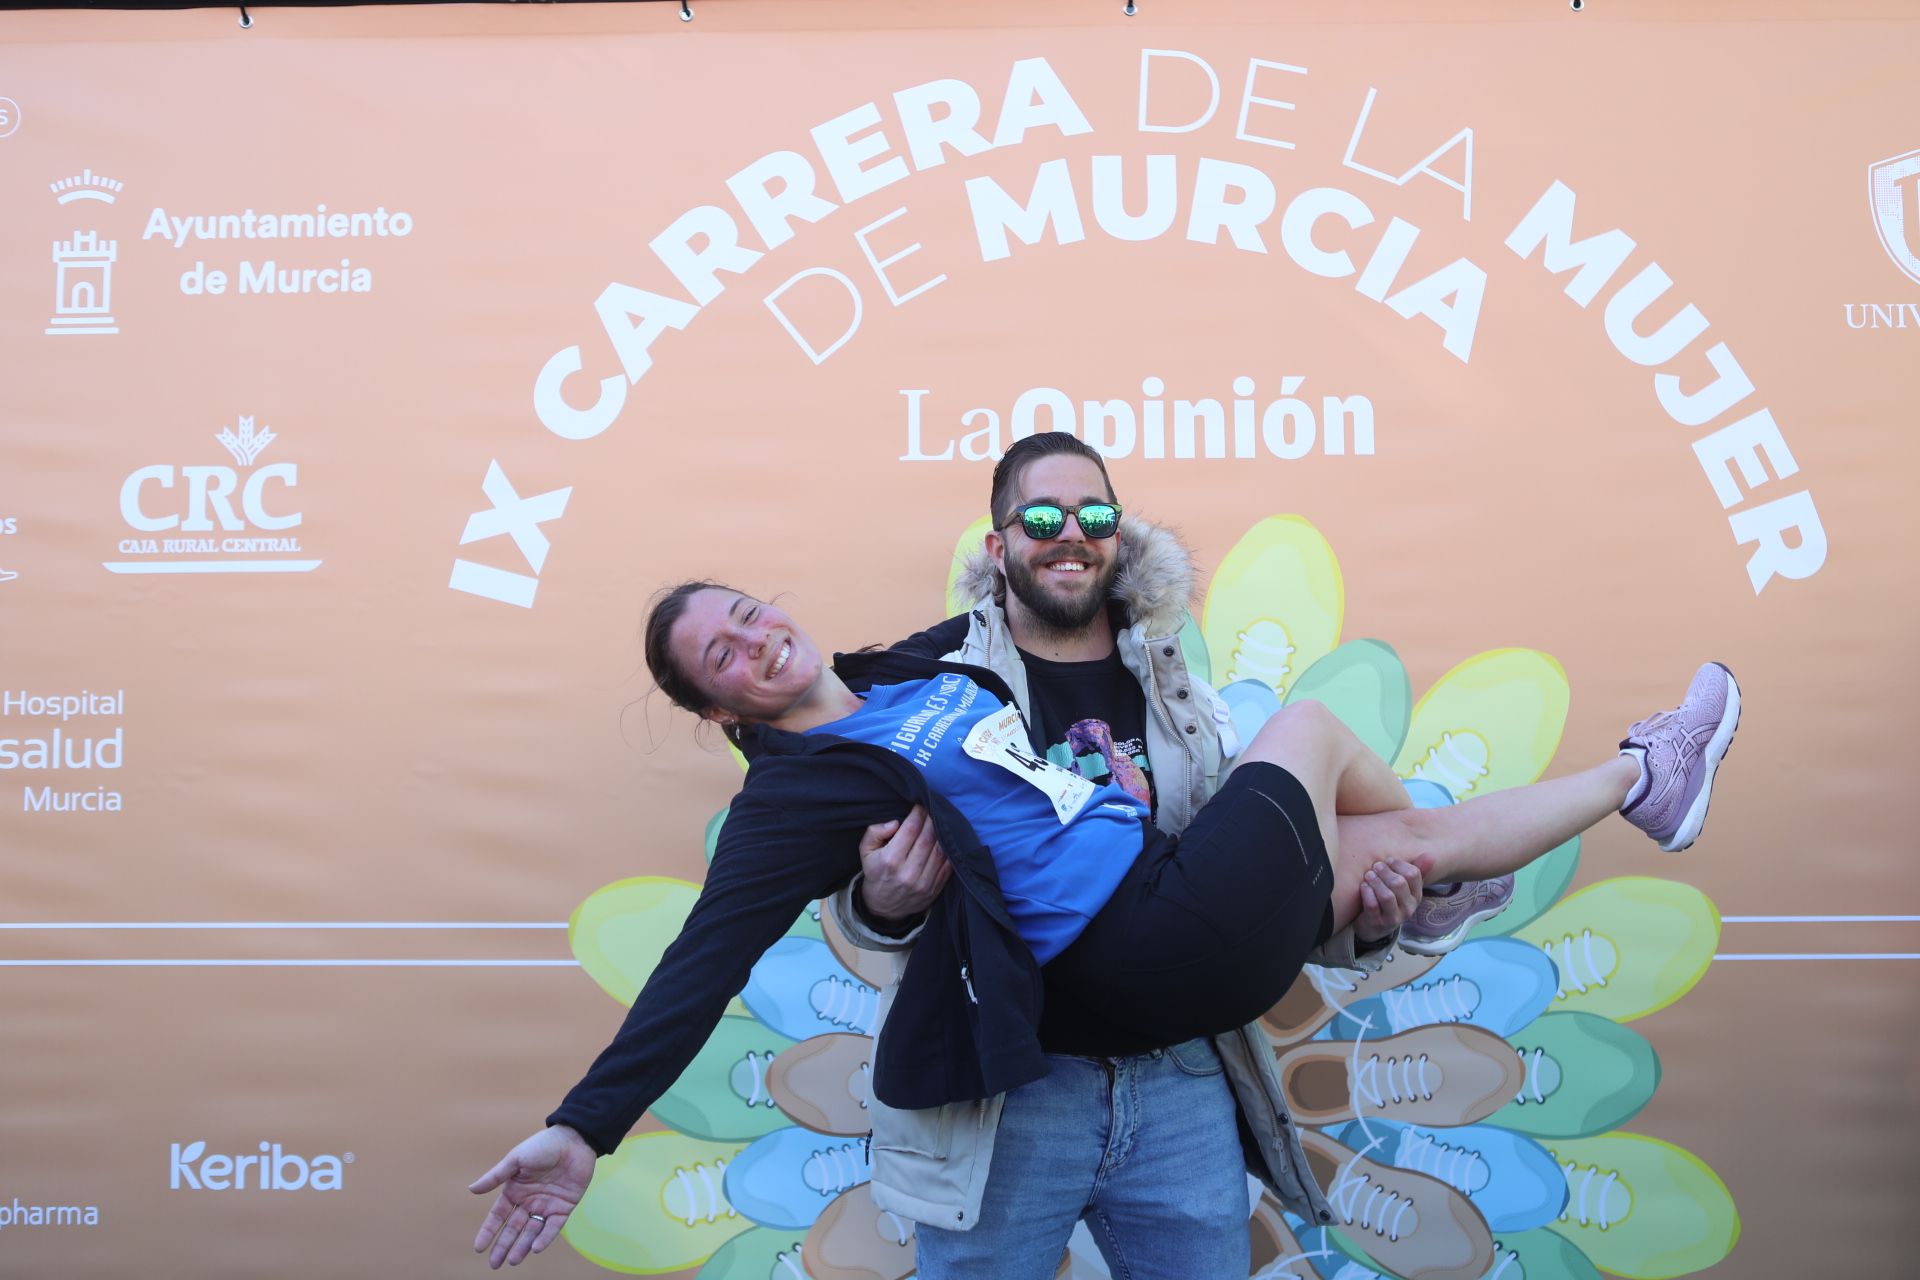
(824, 1083)
(875, 968)
(1443, 1075)
(1683, 750)
(800, 990)
(1410, 1224)
(759, 1253)
(1364, 683)
(1251, 704)
(1500, 984)
(619, 933)
(1643, 1208)
(786, 1179)
(1319, 994)
(1518, 1255)
(854, 1239)
(658, 1203)
(1584, 1075)
(1510, 1178)
(1628, 946)
(1274, 1249)
(1440, 922)
(723, 1095)
(1275, 604)
(1458, 762)
(1492, 722)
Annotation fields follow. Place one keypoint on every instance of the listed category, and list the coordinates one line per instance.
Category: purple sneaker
(1679, 751)
(1446, 912)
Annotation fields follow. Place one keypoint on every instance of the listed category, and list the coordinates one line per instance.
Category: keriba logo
(273, 1169)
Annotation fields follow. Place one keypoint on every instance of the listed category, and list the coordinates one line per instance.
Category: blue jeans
(1146, 1149)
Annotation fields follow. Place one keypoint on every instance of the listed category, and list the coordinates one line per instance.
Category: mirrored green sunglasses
(1045, 520)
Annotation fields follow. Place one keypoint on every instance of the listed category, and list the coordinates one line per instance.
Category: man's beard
(1054, 614)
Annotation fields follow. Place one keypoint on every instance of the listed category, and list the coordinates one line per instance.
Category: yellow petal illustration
(1629, 946)
(1275, 605)
(657, 1204)
(1492, 722)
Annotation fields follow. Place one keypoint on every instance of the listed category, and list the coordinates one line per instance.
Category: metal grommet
(1167, 652)
(686, 14)
(1182, 694)
(1193, 728)
(1130, 10)
(246, 19)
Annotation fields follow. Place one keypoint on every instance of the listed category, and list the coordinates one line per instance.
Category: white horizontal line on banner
(1854, 955)
(210, 566)
(304, 964)
(285, 924)
(1819, 919)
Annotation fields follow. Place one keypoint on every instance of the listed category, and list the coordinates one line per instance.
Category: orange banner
(367, 370)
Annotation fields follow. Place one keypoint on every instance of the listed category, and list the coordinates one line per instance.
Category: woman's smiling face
(747, 656)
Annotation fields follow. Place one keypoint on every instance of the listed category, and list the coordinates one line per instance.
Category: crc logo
(209, 493)
(272, 1169)
(216, 519)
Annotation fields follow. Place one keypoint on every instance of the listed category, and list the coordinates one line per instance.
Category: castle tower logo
(1893, 191)
(218, 519)
(83, 285)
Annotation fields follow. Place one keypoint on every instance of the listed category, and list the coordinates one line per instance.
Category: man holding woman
(1072, 1107)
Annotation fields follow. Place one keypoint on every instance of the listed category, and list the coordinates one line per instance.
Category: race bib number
(1002, 740)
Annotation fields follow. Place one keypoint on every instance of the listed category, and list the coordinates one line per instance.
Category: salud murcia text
(56, 754)
(293, 268)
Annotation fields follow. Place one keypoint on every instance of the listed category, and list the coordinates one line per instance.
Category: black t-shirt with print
(1090, 717)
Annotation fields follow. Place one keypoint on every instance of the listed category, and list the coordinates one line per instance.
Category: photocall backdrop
(367, 370)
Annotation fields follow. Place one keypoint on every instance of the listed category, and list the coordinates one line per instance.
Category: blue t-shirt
(1061, 843)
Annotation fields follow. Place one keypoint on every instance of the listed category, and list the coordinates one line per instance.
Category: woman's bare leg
(1365, 815)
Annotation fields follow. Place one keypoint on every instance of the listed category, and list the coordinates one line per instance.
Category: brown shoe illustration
(875, 968)
(821, 1083)
(1318, 994)
(1277, 1254)
(1440, 1075)
(1417, 1227)
(854, 1239)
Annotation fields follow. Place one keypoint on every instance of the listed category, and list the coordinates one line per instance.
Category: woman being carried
(1170, 937)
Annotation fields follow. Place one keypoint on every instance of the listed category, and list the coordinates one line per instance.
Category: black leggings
(1209, 928)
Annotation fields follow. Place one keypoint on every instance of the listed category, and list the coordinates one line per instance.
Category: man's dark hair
(1023, 454)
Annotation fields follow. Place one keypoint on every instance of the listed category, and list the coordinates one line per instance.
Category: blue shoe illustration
(1501, 984)
(788, 1178)
(800, 990)
(1251, 703)
(1426, 794)
(1514, 1181)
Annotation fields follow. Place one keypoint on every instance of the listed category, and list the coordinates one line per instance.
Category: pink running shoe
(1446, 912)
(1679, 751)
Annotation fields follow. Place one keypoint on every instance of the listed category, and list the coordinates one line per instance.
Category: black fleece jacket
(964, 1022)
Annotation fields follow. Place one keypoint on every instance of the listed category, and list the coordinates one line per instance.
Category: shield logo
(1895, 199)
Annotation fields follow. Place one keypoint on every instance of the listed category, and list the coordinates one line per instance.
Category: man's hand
(541, 1182)
(903, 869)
(1388, 895)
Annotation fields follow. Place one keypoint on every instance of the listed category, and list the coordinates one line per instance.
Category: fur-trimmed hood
(1154, 584)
